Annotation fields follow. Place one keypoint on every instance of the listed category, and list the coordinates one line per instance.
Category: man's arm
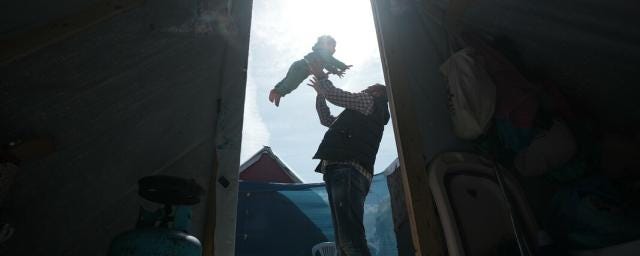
(324, 113)
(361, 102)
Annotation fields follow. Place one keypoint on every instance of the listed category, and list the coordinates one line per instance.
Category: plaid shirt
(361, 102)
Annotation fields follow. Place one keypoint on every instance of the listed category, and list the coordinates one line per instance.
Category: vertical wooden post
(210, 220)
(234, 28)
(425, 226)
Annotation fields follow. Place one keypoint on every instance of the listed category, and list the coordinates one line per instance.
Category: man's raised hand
(314, 84)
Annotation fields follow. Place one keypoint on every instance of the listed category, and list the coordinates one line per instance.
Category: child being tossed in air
(299, 71)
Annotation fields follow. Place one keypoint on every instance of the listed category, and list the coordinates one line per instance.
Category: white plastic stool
(325, 249)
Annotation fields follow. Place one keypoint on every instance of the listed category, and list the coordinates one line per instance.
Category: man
(347, 153)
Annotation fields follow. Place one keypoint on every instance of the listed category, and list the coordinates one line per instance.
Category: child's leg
(298, 72)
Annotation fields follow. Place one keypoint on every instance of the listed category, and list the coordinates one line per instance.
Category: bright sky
(284, 31)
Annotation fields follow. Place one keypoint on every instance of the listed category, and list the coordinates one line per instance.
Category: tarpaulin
(289, 219)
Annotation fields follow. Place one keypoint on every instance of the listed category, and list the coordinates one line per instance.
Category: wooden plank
(208, 247)
(229, 123)
(30, 41)
(425, 226)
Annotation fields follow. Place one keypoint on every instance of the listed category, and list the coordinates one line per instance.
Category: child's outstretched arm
(331, 61)
(361, 102)
(340, 73)
(334, 66)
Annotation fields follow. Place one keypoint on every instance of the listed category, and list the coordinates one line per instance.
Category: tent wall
(413, 47)
(422, 47)
(591, 49)
(145, 92)
(22, 16)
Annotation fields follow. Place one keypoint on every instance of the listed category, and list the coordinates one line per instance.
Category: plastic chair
(462, 181)
(329, 249)
(325, 249)
(372, 249)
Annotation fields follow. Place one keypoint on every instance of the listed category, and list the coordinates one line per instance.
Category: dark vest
(355, 136)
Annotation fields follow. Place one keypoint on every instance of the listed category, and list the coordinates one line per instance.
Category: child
(322, 53)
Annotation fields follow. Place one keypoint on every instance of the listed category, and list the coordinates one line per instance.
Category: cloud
(254, 133)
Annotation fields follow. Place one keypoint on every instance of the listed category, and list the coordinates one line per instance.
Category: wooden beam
(232, 85)
(425, 225)
(25, 43)
(208, 247)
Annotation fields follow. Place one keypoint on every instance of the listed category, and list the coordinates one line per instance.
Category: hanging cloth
(471, 92)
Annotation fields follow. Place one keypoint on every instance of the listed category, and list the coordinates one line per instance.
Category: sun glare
(347, 21)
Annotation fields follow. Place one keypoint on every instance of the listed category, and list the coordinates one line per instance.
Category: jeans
(347, 190)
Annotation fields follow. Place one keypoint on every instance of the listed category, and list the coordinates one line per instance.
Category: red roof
(266, 166)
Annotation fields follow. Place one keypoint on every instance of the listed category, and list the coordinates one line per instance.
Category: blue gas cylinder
(162, 232)
(155, 241)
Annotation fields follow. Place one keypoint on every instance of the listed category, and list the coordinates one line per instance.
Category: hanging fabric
(472, 94)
